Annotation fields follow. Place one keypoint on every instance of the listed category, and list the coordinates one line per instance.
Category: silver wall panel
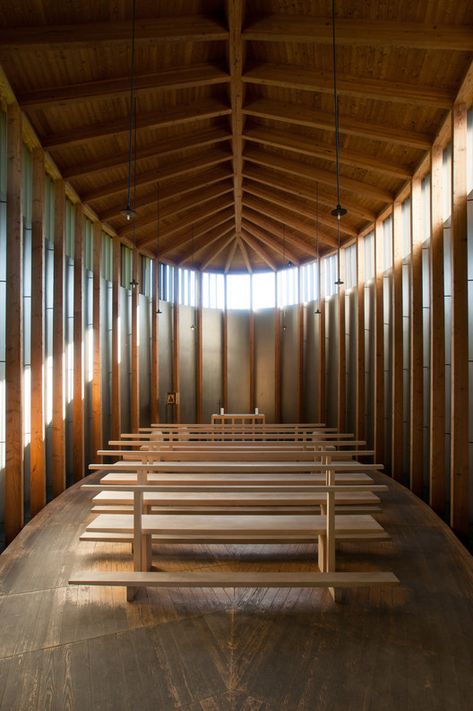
(310, 391)
(331, 360)
(350, 345)
(212, 359)
(187, 362)
(264, 363)
(238, 361)
(144, 325)
(106, 353)
(125, 357)
(165, 358)
(289, 363)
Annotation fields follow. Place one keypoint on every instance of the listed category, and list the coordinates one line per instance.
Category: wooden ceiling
(235, 125)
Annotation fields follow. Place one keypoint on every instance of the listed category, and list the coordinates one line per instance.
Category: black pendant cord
(134, 283)
(193, 269)
(317, 252)
(339, 211)
(157, 239)
(129, 212)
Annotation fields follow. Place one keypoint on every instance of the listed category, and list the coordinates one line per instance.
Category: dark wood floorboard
(396, 649)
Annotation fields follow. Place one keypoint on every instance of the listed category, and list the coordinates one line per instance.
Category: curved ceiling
(235, 160)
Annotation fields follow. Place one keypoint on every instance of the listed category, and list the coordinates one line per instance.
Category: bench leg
(146, 552)
(131, 593)
(322, 553)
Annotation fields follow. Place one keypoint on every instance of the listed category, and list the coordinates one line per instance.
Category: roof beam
(277, 179)
(301, 115)
(149, 29)
(230, 256)
(259, 250)
(244, 254)
(180, 114)
(304, 170)
(293, 28)
(303, 209)
(272, 225)
(207, 239)
(216, 252)
(251, 224)
(170, 228)
(300, 78)
(197, 197)
(157, 175)
(235, 61)
(158, 149)
(308, 146)
(203, 226)
(288, 219)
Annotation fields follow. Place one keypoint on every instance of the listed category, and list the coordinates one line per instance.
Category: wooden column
(14, 455)
(199, 352)
(300, 369)
(360, 340)
(342, 360)
(321, 374)
(378, 409)
(58, 458)
(416, 343)
(225, 348)
(175, 350)
(37, 444)
(397, 349)
(437, 338)
(459, 506)
(115, 430)
(252, 350)
(78, 442)
(97, 430)
(155, 345)
(135, 355)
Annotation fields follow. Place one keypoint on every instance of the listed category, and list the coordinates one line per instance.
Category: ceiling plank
(193, 216)
(259, 250)
(158, 149)
(157, 175)
(197, 197)
(304, 209)
(277, 179)
(165, 29)
(302, 115)
(235, 61)
(309, 147)
(215, 252)
(300, 78)
(255, 230)
(101, 89)
(293, 28)
(289, 219)
(176, 115)
(295, 167)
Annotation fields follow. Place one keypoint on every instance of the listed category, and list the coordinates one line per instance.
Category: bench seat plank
(119, 537)
(235, 579)
(189, 479)
(235, 498)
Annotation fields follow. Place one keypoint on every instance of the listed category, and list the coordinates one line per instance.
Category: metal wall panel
(187, 362)
(212, 359)
(264, 363)
(125, 360)
(238, 361)
(144, 323)
(331, 360)
(165, 358)
(350, 344)
(310, 392)
(289, 364)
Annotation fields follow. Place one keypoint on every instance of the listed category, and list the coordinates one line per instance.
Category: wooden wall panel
(437, 339)
(416, 343)
(116, 342)
(78, 437)
(459, 512)
(97, 425)
(58, 460)
(360, 341)
(378, 407)
(135, 361)
(14, 488)
(342, 361)
(37, 444)
(397, 349)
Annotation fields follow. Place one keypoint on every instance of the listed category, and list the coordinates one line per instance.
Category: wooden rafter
(302, 115)
(231, 255)
(207, 239)
(244, 254)
(293, 28)
(199, 229)
(300, 78)
(259, 250)
(177, 115)
(252, 227)
(277, 227)
(235, 60)
(215, 252)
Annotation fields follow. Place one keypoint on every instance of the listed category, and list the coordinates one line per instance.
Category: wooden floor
(405, 648)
